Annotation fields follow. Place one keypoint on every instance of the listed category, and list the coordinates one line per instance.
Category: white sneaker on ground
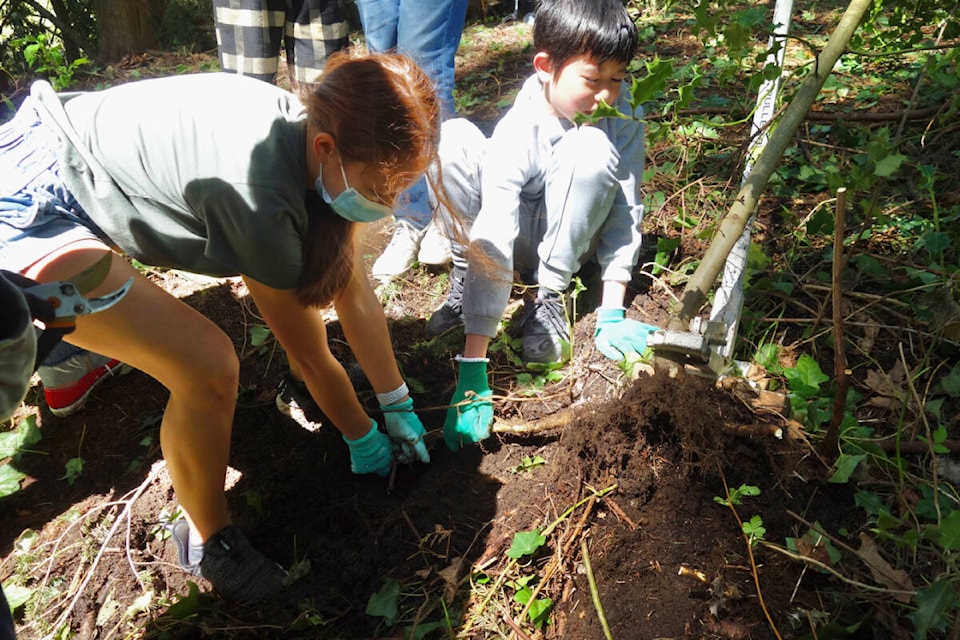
(435, 247)
(400, 254)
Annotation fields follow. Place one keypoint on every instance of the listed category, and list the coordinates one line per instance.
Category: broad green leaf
(767, 356)
(522, 596)
(17, 595)
(525, 543)
(384, 603)
(844, 467)
(950, 383)
(13, 443)
(259, 334)
(888, 165)
(754, 528)
(646, 89)
(186, 605)
(140, 604)
(933, 605)
(540, 612)
(935, 243)
(948, 532)
(808, 372)
(108, 609)
(9, 480)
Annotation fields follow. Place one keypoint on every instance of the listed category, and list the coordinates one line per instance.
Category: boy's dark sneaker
(449, 314)
(237, 571)
(189, 554)
(546, 333)
(293, 397)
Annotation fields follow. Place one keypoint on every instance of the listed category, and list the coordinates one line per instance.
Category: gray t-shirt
(204, 173)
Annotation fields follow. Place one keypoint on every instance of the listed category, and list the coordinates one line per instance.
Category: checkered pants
(249, 34)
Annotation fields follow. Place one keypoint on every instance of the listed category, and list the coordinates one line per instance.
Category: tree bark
(125, 28)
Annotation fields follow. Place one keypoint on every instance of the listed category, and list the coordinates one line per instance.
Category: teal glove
(372, 453)
(406, 431)
(471, 421)
(616, 336)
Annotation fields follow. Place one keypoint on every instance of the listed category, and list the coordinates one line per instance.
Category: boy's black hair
(602, 29)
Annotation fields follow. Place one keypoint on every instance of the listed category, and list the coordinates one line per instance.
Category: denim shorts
(38, 214)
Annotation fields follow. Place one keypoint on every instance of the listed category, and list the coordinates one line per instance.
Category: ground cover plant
(813, 495)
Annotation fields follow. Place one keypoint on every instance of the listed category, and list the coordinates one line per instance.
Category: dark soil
(669, 561)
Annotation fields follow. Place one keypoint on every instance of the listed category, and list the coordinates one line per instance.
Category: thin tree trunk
(734, 222)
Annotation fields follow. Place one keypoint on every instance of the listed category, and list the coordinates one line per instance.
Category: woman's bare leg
(155, 332)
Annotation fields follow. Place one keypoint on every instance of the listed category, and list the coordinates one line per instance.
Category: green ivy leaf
(74, 468)
(844, 467)
(258, 335)
(385, 602)
(9, 480)
(948, 532)
(886, 166)
(525, 543)
(646, 89)
(540, 612)
(933, 604)
(187, 605)
(16, 595)
(14, 443)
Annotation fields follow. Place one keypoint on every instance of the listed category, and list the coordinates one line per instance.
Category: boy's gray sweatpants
(561, 213)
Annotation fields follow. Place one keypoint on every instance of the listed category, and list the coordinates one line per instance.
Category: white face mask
(350, 204)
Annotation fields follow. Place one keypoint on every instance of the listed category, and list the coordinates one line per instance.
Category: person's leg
(429, 31)
(248, 36)
(314, 30)
(410, 222)
(196, 361)
(461, 153)
(379, 19)
(580, 185)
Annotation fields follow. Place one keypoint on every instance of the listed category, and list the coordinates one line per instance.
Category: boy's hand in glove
(616, 336)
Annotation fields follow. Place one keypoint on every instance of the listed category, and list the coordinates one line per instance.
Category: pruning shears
(67, 302)
(58, 304)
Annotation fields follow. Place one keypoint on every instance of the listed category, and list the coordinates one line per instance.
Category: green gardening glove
(471, 416)
(616, 336)
(372, 453)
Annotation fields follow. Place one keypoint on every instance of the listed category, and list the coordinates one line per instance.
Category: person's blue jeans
(429, 32)
(426, 30)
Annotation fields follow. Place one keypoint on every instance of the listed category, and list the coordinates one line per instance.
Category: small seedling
(74, 468)
(528, 463)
